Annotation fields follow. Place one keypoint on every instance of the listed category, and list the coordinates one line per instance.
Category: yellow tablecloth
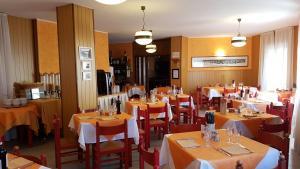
(182, 157)
(252, 123)
(163, 89)
(11, 162)
(11, 117)
(47, 108)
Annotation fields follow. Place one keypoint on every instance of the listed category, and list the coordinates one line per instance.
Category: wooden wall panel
(84, 36)
(67, 61)
(21, 38)
(175, 63)
(101, 50)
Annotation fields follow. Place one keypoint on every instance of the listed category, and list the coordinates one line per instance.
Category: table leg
(130, 152)
(87, 156)
(30, 133)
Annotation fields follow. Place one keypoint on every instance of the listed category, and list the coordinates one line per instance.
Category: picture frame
(85, 53)
(219, 62)
(86, 75)
(86, 65)
(175, 73)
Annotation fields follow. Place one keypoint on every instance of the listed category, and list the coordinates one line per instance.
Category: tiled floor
(47, 148)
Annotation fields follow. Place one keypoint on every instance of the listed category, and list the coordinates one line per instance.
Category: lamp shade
(151, 48)
(143, 37)
(238, 41)
(110, 2)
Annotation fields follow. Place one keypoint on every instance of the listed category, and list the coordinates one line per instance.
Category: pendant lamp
(151, 48)
(239, 40)
(111, 2)
(143, 37)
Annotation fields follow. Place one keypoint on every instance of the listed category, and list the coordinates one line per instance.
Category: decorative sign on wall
(86, 75)
(85, 53)
(213, 61)
(175, 73)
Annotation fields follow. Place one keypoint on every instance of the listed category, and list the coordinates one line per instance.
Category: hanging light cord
(239, 20)
(143, 9)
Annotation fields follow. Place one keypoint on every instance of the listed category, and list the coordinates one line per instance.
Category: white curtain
(284, 44)
(295, 132)
(267, 46)
(6, 71)
(276, 59)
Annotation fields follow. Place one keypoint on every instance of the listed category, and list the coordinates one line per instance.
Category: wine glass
(207, 137)
(229, 134)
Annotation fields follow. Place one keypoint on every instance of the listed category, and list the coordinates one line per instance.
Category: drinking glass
(207, 137)
(229, 135)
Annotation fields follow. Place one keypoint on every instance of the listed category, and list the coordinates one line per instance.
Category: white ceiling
(192, 18)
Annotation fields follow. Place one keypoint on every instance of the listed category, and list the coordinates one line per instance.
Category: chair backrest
(140, 113)
(146, 156)
(277, 110)
(154, 110)
(199, 120)
(267, 135)
(41, 161)
(185, 128)
(180, 100)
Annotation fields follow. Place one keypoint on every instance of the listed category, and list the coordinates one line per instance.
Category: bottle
(238, 165)
(118, 103)
(3, 157)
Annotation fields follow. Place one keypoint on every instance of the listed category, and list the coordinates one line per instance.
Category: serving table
(19, 162)
(47, 108)
(247, 126)
(104, 101)
(84, 125)
(174, 155)
(132, 107)
(26, 115)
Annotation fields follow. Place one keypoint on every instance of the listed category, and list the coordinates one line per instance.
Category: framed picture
(86, 75)
(175, 73)
(213, 61)
(85, 53)
(86, 65)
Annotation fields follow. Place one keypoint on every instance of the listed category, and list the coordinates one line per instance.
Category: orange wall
(204, 76)
(101, 50)
(47, 47)
(175, 63)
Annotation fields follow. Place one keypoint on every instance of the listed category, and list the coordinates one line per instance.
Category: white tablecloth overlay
(269, 161)
(104, 101)
(161, 115)
(213, 93)
(134, 91)
(87, 132)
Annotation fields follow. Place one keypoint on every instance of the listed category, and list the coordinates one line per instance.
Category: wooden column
(75, 29)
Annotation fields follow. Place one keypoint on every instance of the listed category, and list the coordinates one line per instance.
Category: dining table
(171, 99)
(246, 124)
(16, 116)
(16, 162)
(47, 109)
(84, 124)
(190, 150)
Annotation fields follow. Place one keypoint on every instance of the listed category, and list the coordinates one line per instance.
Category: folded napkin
(235, 150)
(187, 143)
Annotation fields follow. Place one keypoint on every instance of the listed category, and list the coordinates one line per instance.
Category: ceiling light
(151, 48)
(110, 2)
(239, 40)
(143, 37)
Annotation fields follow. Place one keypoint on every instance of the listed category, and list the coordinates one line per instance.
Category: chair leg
(30, 133)
(129, 151)
(87, 156)
(57, 159)
(80, 154)
(121, 160)
(126, 159)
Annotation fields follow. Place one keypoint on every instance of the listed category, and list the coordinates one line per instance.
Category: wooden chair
(65, 147)
(290, 109)
(277, 110)
(160, 125)
(186, 112)
(185, 128)
(267, 136)
(148, 157)
(41, 161)
(120, 147)
(201, 99)
(141, 126)
(215, 103)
